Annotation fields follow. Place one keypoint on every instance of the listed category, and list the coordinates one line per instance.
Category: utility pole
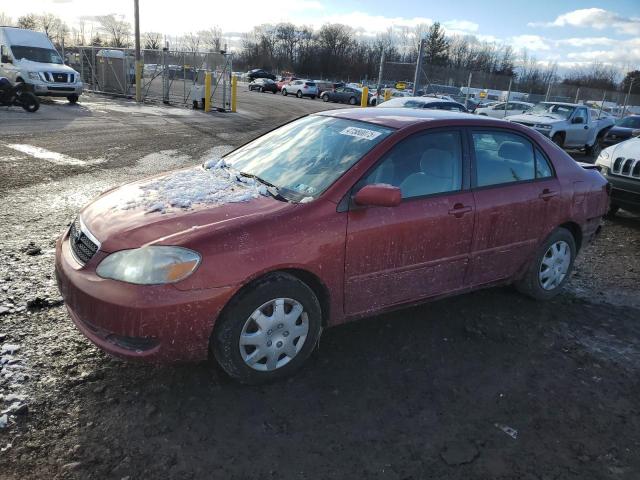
(136, 14)
(417, 77)
(546, 97)
(626, 98)
(466, 97)
(380, 72)
(508, 95)
(577, 95)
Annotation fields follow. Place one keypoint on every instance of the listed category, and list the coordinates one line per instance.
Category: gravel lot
(489, 385)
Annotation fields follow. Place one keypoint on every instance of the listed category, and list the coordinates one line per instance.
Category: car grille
(626, 167)
(59, 77)
(82, 246)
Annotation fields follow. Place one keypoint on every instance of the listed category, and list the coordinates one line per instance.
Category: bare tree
(211, 39)
(152, 40)
(28, 21)
(5, 19)
(117, 29)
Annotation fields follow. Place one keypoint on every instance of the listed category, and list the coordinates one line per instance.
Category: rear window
(310, 84)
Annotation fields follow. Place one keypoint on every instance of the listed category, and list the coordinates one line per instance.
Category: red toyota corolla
(329, 218)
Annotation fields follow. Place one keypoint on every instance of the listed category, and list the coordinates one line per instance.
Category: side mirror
(378, 195)
(577, 120)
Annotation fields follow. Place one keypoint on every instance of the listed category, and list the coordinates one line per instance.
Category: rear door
(516, 196)
(421, 247)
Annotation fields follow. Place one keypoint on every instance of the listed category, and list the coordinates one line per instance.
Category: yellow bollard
(207, 92)
(139, 81)
(234, 93)
(387, 94)
(364, 99)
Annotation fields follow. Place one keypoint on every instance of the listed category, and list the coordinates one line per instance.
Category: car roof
(566, 104)
(405, 117)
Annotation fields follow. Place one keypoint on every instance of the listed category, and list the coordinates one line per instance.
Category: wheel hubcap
(274, 334)
(554, 265)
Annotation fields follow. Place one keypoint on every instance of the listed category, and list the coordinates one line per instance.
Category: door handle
(547, 195)
(586, 127)
(459, 210)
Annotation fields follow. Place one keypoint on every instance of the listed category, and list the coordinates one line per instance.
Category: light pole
(136, 15)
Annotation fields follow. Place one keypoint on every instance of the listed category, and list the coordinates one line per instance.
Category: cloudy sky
(567, 31)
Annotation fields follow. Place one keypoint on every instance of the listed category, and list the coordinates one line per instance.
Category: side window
(543, 168)
(424, 164)
(581, 112)
(502, 157)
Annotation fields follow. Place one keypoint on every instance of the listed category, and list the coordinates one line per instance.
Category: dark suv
(259, 73)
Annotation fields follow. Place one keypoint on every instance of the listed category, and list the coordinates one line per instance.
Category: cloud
(626, 53)
(530, 42)
(587, 41)
(597, 18)
(461, 25)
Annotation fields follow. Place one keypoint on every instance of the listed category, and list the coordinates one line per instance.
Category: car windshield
(303, 158)
(36, 54)
(552, 109)
(629, 122)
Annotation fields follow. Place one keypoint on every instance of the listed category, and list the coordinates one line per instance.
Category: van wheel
(268, 331)
(551, 266)
(73, 98)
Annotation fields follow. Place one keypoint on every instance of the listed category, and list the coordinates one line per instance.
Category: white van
(30, 57)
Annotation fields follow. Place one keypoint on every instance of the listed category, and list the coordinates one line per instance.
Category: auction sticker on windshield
(360, 133)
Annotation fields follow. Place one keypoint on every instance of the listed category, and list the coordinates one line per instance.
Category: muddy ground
(489, 385)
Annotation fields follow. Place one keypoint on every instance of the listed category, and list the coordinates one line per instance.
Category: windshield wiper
(273, 190)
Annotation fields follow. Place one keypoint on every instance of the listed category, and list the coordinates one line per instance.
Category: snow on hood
(210, 184)
(546, 118)
(627, 149)
(43, 67)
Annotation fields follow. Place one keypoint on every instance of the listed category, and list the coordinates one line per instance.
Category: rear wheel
(551, 267)
(29, 102)
(352, 101)
(268, 331)
(325, 98)
(595, 149)
(260, 89)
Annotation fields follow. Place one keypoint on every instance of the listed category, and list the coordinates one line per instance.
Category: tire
(352, 101)
(237, 322)
(29, 102)
(73, 98)
(274, 91)
(313, 97)
(558, 139)
(284, 92)
(325, 98)
(531, 284)
(374, 102)
(260, 89)
(613, 209)
(595, 149)
(195, 104)
(299, 94)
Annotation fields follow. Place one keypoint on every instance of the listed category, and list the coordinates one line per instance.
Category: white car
(30, 57)
(498, 110)
(620, 165)
(301, 88)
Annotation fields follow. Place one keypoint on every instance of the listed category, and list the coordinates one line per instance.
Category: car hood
(620, 131)
(174, 207)
(43, 67)
(627, 149)
(532, 118)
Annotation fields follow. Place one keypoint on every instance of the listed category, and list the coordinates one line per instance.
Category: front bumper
(155, 323)
(625, 191)
(57, 89)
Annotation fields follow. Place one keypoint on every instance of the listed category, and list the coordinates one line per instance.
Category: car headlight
(604, 159)
(150, 265)
(542, 127)
(34, 75)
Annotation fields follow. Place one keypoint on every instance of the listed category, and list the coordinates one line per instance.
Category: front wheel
(29, 102)
(73, 98)
(595, 149)
(551, 267)
(284, 92)
(352, 101)
(558, 139)
(268, 331)
(299, 94)
(325, 98)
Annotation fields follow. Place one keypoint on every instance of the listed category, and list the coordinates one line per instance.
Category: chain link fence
(463, 84)
(168, 76)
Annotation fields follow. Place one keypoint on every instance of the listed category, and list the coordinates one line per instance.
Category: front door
(578, 133)
(516, 194)
(421, 247)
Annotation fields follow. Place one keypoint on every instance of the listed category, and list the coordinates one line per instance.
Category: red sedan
(332, 217)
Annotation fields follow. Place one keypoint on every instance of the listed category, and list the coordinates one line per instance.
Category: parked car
(259, 73)
(620, 164)
(499, 111)
(624, 129)
(350, 95)
(323, 86)
(285, 81)
(263, 85)
(301, 88)
(30, 58)
(376, 99)
(335, 216)
(568, 125)
(423, 102)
